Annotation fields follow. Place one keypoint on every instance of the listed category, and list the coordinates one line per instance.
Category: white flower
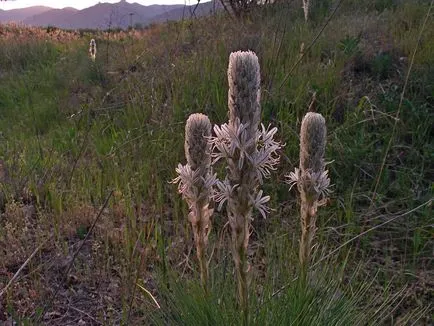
(92, 49)
(186, 179)
(191, 184)
(266, 158)
(321, 183)
(317, 182)
(259, 203)
(223, 193)
(210, 180)
(232, 142)
(228, 139)
(292, 178)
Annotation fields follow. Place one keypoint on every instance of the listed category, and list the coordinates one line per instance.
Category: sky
(79, 4)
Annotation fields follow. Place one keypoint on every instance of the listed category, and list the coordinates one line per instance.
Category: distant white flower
(92, 49)
(306, 6)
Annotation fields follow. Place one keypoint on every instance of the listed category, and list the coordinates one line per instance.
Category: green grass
(72, 131)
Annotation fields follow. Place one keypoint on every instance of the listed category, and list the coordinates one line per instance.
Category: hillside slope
(18, 15)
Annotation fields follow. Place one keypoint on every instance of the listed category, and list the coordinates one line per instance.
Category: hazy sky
(79, 4)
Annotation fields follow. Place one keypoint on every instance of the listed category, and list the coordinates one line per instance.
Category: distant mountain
(18, 15)
(105, 15)
(53, 17)
(203, 9)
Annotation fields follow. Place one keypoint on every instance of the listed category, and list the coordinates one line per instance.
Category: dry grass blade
(18, 272)
(149, 294)
(75, 255)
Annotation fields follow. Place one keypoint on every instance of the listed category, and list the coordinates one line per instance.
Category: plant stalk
(199, 238)
(240, 239)
(308, 229)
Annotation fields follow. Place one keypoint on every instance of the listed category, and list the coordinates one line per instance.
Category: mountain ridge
(103, 15)
(17, 15)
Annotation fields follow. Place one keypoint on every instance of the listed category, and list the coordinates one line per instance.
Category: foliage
(349, 45)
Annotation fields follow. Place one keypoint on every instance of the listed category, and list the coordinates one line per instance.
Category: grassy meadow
(88, 150)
